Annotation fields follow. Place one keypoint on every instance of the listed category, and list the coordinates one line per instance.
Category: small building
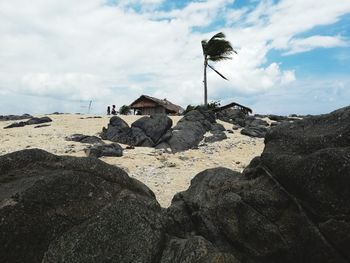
(147, 105)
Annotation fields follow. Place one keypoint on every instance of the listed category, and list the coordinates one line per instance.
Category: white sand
(166, 174)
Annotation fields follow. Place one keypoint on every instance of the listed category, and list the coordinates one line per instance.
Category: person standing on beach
(108, 110)
(114, 112)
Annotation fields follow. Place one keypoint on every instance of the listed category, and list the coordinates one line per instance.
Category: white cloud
(112, 54)
(309, 43)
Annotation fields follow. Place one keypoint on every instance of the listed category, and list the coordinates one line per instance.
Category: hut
(147, 105)
(235, 105)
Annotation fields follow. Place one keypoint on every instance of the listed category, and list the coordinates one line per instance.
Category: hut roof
(164, 103)
(233, 104)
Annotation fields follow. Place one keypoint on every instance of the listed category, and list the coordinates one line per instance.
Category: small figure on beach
(108, 110)
(114, 112)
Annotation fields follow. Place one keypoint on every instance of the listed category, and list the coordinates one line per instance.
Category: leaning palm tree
(216, 49)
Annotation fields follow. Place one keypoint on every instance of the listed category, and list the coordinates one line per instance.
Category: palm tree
(216, 49)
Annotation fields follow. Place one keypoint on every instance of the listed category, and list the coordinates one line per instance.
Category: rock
(31, 121)
(99, 150)
(234, 116)
(117, 131)
(77, 137)
(277, 117)
(154, 126)
(254, 131)
(15, 117)
(217, 127)
(190, 130)
(256, 122)
(215, 137)
(230, 131)
(146, 132)
(49, 202)
(42, 126)
(236, 127)
(289, 205)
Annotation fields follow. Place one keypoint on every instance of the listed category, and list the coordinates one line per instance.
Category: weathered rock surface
(147, 131)
(99, 150)
(255, 131)
(31, 121)
(77, 137)
(71, 209)
(190, 130)
(291, 204)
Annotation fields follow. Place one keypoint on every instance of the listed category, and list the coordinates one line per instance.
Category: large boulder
(190, 130)
(146, 131)
(78, 137)
(154, 126)
(48, 202)
(290, 205)
(117, 131)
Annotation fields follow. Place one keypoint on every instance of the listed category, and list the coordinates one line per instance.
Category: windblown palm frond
(217, 72)
(217, 48)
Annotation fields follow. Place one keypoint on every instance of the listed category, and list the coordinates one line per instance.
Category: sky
(58, 55)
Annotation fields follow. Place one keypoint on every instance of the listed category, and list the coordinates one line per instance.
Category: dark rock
(15, 117)
(147, 131)
(46, 200)
(256, 122)
(236, 127)
(230, 131)
(117, 131)
(215, 137)
(99, 150)
(154, 126)
(42, 125)
(254, 131)
(190, 130)
(277, 117)
(31, 121)
(290, 205)
(84, 139)
(234, 116)
(217, 127)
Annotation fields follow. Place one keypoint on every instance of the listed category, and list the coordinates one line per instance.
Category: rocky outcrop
(190, 130)
(74, 210)
(291, 204)
(156, 131)
(147, 131)
(31, 121)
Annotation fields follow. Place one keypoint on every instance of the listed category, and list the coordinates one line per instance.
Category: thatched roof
(164, 103)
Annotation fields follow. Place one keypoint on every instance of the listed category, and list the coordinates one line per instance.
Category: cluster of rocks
(253, 126)
(31, 121)
(156, 131)
(15, 117)
(291, 204)
(98, 148)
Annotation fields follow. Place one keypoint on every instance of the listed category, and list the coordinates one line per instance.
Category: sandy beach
(165, 174)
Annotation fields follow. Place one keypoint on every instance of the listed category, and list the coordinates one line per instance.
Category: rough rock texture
(99, 150)
(15, 117)
(290, 205)
(31, 121)
(147, 131)
(255, 131)
(44, 198)
(190, 130)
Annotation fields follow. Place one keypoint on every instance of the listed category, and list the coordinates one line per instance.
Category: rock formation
(31, 121)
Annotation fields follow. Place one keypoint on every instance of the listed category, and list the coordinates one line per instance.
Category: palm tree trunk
(205, 83)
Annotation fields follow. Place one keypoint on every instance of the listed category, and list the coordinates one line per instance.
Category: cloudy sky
(293, 55)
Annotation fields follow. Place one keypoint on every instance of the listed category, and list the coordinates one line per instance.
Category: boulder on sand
(31, 121)
(99, 150)
(77, 137)
(147, 131)
(74, 210)
(290, 205)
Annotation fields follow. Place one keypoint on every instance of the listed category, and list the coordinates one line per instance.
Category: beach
(164, 173)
